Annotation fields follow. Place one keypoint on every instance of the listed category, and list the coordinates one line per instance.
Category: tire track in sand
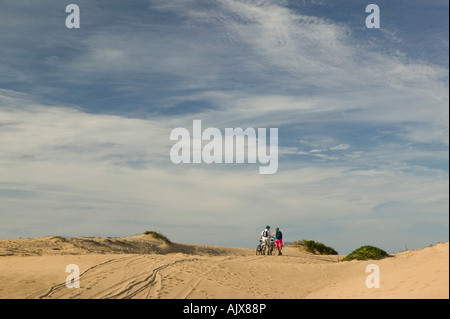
(136, 276)
(47, 293)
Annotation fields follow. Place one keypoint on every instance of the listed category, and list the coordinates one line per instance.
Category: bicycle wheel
(258, 250)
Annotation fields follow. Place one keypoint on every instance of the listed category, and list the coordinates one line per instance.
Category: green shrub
(366, 252)
(157, 235)
(318, 248)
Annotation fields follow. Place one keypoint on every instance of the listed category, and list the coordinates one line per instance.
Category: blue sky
(362, 114)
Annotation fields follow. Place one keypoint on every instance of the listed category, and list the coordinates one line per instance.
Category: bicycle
(260, 249)
(271, 246)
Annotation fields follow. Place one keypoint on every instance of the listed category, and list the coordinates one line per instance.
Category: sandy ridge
(139, 244)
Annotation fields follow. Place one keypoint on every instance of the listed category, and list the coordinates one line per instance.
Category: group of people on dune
(277, 235)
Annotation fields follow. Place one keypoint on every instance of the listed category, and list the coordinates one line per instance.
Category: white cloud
(340, 147)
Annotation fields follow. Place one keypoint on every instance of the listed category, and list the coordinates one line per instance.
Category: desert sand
(142, 267)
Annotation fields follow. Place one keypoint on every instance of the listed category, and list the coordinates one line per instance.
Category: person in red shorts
(278, 235)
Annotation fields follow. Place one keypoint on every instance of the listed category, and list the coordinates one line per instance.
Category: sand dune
(142, 267)
(139, 244)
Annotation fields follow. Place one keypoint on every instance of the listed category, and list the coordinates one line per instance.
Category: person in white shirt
(265, 236)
